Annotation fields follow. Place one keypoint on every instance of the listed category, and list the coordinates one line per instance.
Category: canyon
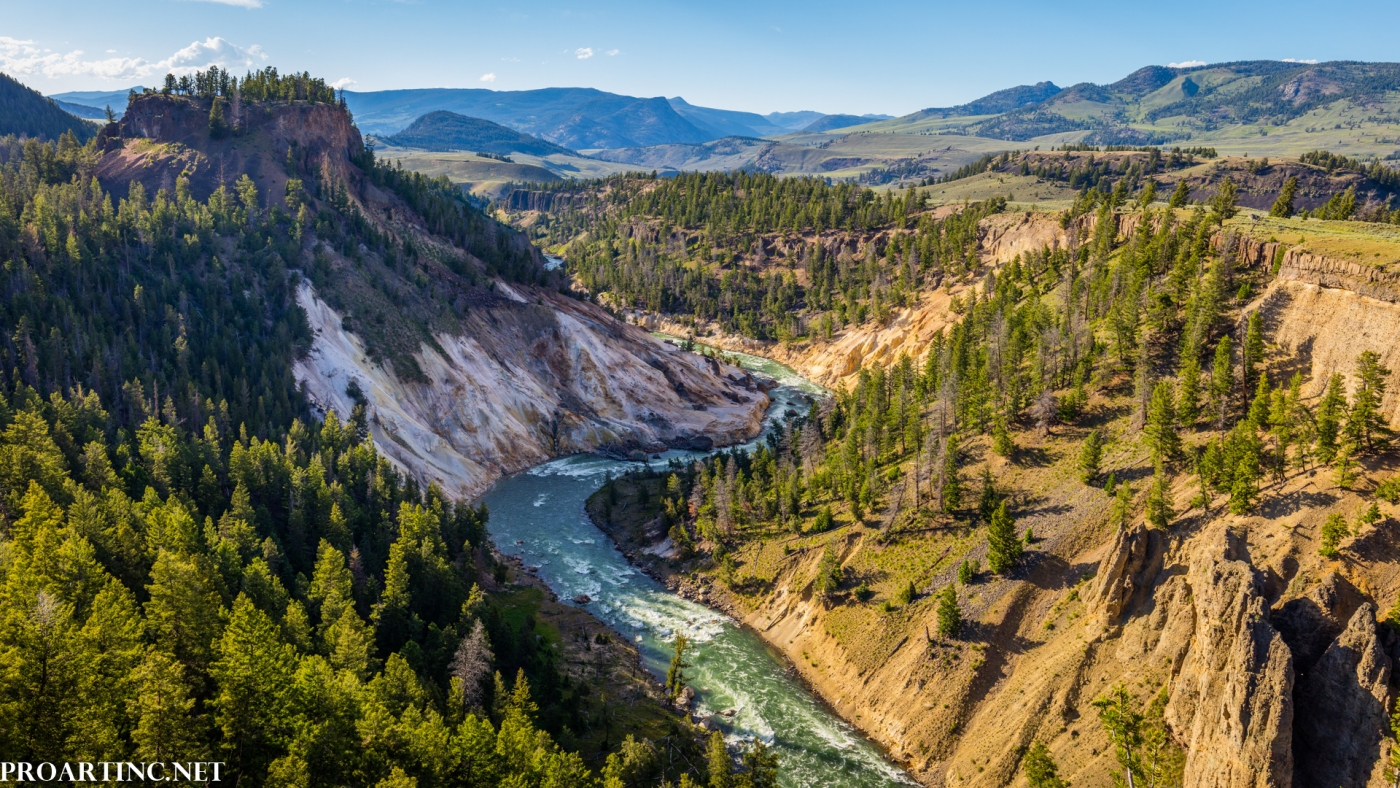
(1268, 661)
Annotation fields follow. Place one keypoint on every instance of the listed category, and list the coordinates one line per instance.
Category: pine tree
(1040, 769)
(721, 766)
(907, 595)
(1333, 532)
(1002, 445)
(1149, 193)
(675, 674)
(218, 125)
(1259, 406)
(1225, 204)
(1245, 487)
(1181, 195)
(1366, 426)
(1283, 206)
(1122, 513)
(1090, 455)
(1159, 511)
(1160, 432)
(967, 571)
(828, 578)
(1253, 353)
(1329, 418)
(1344, 464)
(760, 767)
(949, 613)
(1188, 395)
(952, 480)
(1123, 724)
(988, 499)
(1003, 547)
(254, 679)
(166, 727)
(1222, 379)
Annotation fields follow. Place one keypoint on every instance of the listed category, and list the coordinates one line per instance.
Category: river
(539, 516)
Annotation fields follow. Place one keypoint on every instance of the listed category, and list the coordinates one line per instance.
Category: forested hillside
(788, 258)
(196, 564)
(27, 113)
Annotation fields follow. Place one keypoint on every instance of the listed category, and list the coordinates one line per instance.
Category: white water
(539, 516)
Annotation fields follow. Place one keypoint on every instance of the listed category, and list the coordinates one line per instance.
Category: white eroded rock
(526, 380)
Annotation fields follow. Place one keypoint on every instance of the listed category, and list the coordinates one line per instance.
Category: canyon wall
(539, 376)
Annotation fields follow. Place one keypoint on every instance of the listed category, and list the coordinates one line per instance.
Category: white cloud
(488, 77)
(510, 60)
(1310, 61)
(26, 57)
(239, 3)
(613, 52)
(583, 53)
(343, 82)
(1187, 64)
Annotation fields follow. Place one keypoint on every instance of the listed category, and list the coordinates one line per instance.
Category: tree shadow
(1131, 474)
(1032, 457)
(1291, 503)
(1046, 510)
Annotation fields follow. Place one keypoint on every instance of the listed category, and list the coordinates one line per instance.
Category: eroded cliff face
(837, 361)
(162, 138)
(1231, 701)
(536, 377)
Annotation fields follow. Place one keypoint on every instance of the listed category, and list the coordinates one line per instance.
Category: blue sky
(762, 56)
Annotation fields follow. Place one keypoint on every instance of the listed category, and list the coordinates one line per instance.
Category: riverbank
(589, 653)
(622, 510)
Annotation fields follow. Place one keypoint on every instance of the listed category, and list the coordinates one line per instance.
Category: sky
(861, 56)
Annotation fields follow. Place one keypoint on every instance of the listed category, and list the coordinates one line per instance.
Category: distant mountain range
(92, 104)
(1162, 104)
(1153, 105)
(570, 117)
(577, 118)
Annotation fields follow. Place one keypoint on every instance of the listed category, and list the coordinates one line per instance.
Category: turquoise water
(539, 516)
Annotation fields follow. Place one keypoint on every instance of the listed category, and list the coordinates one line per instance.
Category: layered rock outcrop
(524, 381)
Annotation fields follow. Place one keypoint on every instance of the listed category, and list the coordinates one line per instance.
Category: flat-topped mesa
(162, 137)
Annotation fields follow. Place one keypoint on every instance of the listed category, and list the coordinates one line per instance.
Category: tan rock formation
(1342, 708)
(1127, 573)
(1232, 702)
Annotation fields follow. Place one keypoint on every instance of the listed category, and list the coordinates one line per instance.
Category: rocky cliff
(534, 377)
(162, 138)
